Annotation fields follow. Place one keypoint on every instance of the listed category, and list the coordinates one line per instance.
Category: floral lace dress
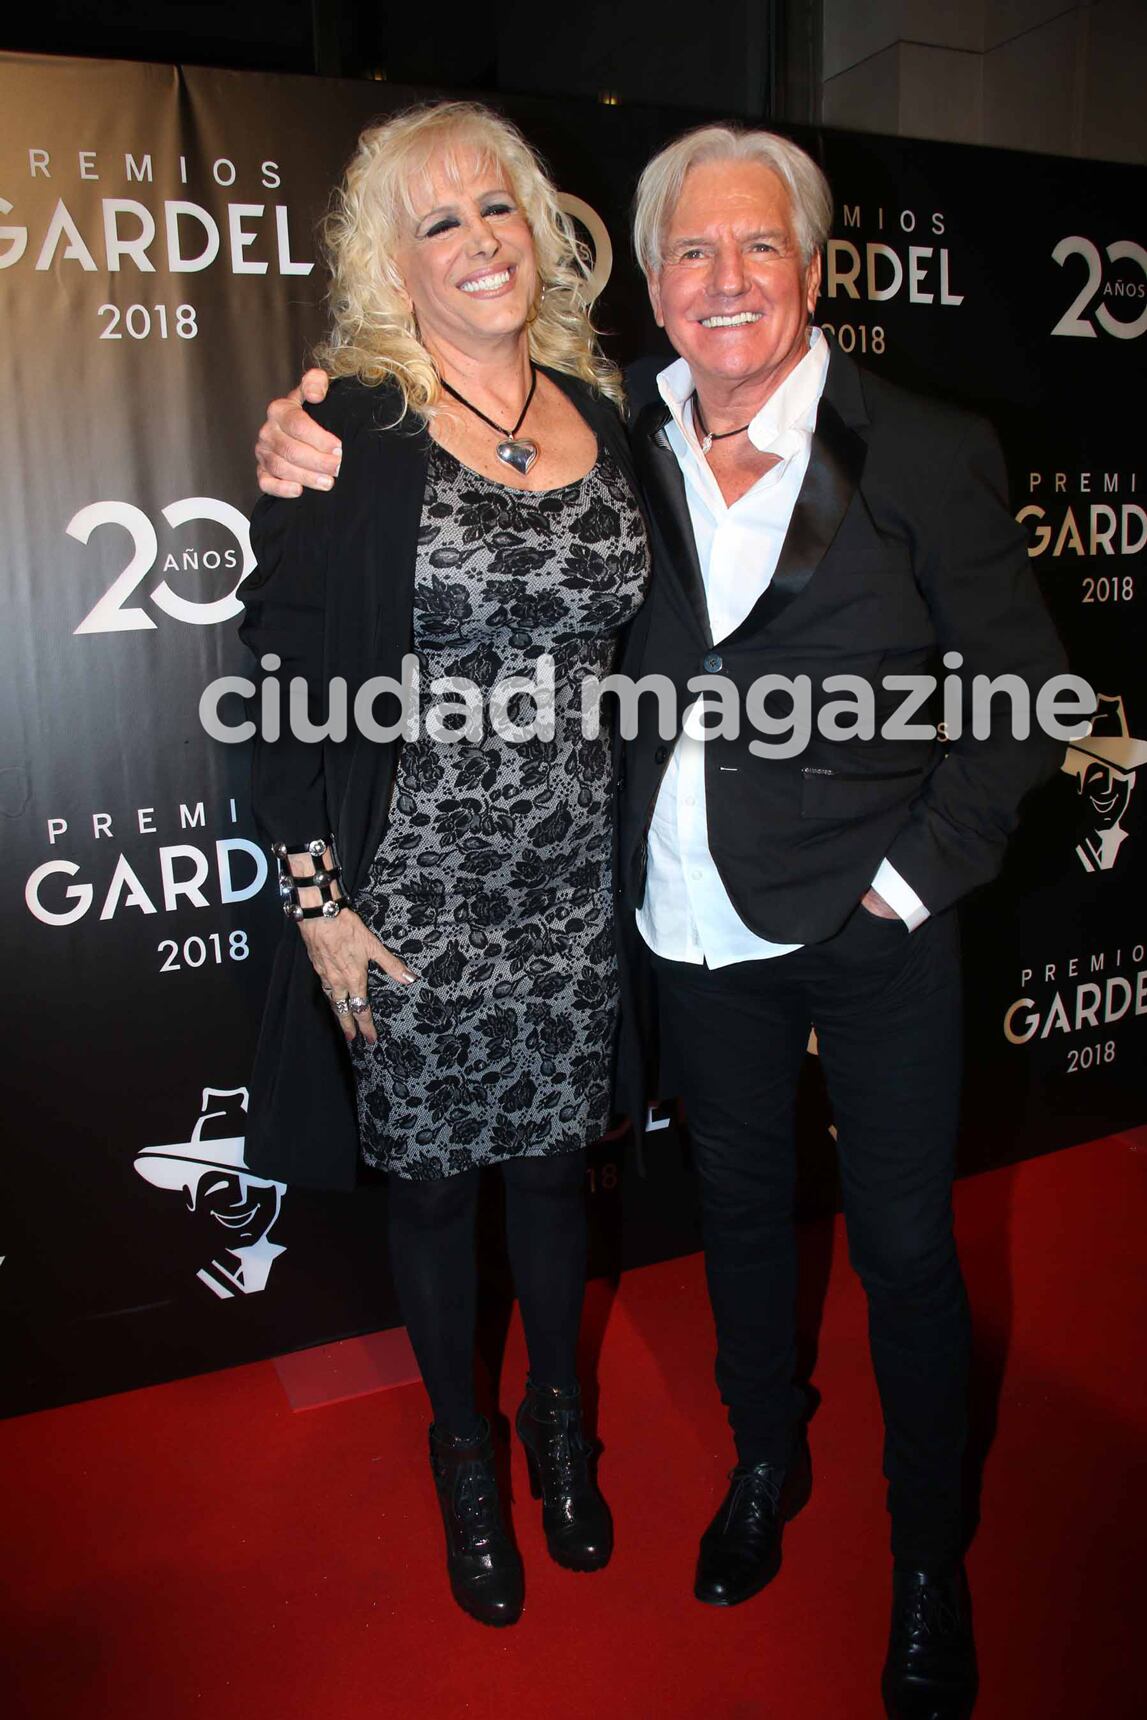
(493, 880)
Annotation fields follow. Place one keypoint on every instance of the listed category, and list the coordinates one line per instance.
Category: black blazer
(901, 546)
(333, 595)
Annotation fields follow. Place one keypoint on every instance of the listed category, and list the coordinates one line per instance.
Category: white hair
(659, 187)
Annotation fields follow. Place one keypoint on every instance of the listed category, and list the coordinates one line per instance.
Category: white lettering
(174, 887)
(241, 238)
(947, 297)
(1031, 1022)
(283, 240)
(840, 276)
(61, 226)
(124, 879)
(136, 248)
(917, 258)
(229, 891)
(16, 238)
(1056, 1018)
(79, 894)
(177, 262)
(887, 292)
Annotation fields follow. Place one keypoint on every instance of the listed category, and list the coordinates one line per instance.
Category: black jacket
(332, 595)
(901, 547)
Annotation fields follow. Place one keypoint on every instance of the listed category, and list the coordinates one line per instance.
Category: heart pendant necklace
(511, 450)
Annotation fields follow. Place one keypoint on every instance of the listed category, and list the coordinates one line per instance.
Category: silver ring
(358, 1004)
(342, 1005)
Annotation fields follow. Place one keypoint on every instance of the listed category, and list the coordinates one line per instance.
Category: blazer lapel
(835, 463)
(664, 488)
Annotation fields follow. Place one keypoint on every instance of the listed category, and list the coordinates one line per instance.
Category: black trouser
(886, 1007)
(432, 1255)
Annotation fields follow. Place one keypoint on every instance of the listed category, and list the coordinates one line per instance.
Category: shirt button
(661, 755)
(695, 874)
(712, 663)
(690, 800)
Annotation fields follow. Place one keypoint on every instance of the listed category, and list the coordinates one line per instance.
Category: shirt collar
(792, 408)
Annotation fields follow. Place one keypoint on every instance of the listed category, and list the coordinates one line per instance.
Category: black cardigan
(332, 595)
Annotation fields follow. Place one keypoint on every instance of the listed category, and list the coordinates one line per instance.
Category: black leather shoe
(741, 1548)
(484, 1567)
(930, 1673)
(575, 1517)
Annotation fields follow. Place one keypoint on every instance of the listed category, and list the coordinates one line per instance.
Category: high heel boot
(575, 1517)
(484, 1568)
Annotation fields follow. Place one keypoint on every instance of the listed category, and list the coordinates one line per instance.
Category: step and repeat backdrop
(159, 282)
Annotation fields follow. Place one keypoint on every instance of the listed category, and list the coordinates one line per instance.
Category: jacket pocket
(843, 796)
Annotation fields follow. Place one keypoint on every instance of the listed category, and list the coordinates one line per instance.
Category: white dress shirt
(687, 915)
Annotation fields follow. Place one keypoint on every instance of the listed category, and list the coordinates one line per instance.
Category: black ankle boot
(930, 1673)
(484, 1567)
(575, 1517)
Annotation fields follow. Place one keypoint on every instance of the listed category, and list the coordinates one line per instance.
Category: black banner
(159, 283)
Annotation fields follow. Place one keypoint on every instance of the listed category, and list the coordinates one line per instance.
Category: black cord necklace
(708, 437)
(512, 452)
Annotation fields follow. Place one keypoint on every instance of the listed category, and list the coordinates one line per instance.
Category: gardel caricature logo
(1104, 764)
(210, 1170)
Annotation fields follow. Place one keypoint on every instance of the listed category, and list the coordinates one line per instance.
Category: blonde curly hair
(374, 334)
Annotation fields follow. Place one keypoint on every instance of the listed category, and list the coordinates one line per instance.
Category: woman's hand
(341, 951)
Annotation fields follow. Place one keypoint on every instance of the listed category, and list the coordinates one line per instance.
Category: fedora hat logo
(1104, 763)
(210, 1169)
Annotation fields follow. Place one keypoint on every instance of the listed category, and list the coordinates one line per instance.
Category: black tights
(433, 1259)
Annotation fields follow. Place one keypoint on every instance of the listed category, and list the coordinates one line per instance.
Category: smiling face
(245, 1207)
(467, 262)
(733, 293)
(1109, 791)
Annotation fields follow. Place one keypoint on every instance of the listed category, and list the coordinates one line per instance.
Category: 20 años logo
(1093, 303)
(114, 614)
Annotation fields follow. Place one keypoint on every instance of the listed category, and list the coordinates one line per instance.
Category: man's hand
(877, 905)
(294, 453)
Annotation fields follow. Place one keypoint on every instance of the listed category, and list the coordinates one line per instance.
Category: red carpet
(201, 1549)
